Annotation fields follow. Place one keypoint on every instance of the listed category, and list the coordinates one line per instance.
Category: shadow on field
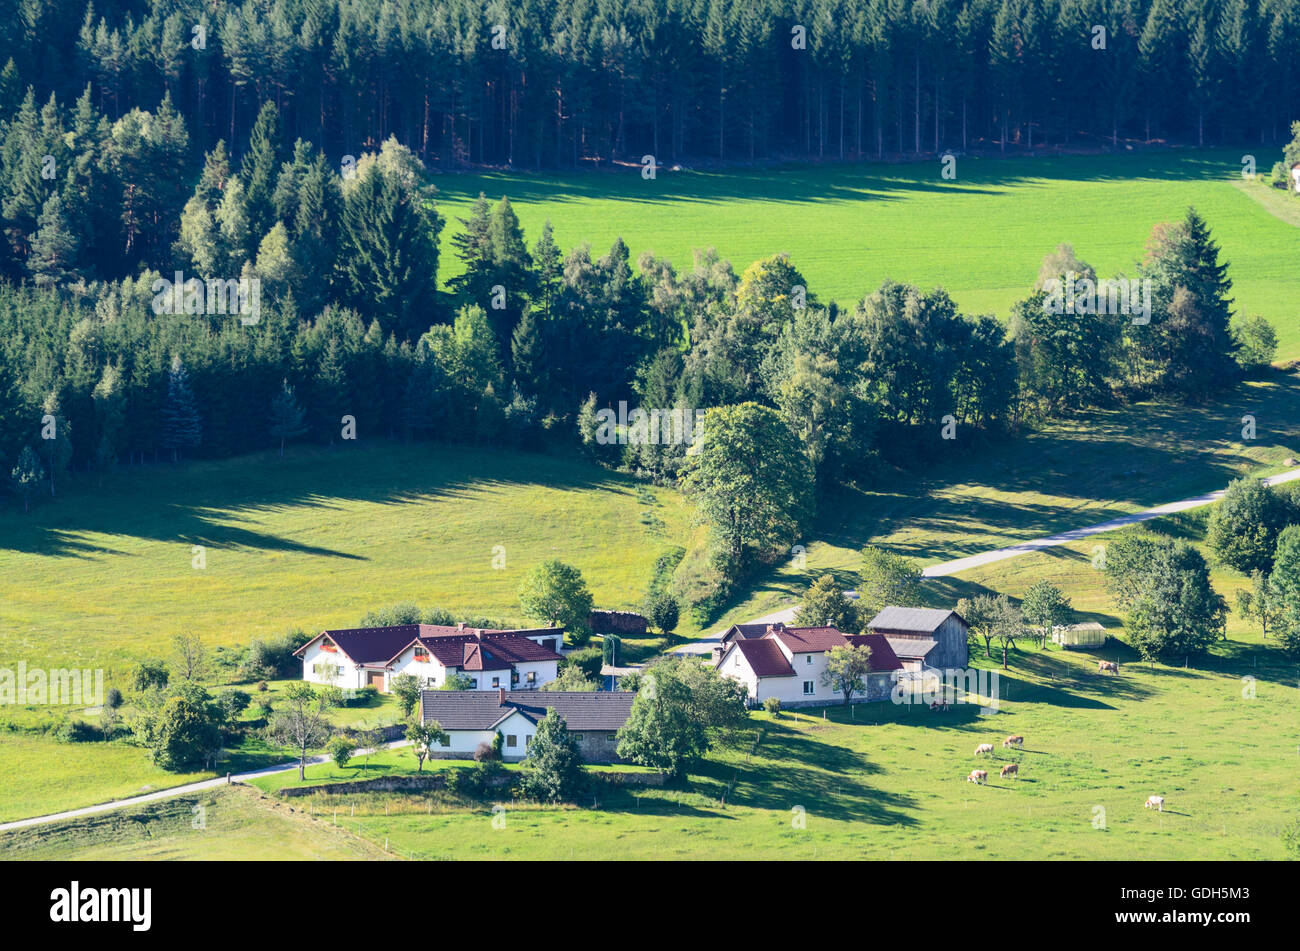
(215, 503)
(1109, 460)
(801, 183)
(825, 779)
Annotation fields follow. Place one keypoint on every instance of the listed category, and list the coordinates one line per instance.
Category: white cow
(978, 776)
(1156, 802)
(984, 748)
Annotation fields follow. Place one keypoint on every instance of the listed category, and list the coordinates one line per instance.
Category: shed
(1080, 636)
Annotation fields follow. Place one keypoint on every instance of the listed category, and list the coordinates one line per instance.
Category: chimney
(501, 696)
(460, 625)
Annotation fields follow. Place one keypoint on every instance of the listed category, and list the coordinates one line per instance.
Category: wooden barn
(924, 637)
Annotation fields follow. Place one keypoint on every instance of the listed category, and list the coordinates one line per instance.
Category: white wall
(807, 667)
(350, 676)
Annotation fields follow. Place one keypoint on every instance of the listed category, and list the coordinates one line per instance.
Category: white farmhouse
(472, 718)
(787, 663)
(492, 659)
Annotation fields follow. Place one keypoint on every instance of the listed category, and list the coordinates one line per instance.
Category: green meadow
(980, 236)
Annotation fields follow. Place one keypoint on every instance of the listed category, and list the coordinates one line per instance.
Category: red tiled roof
(468, 648)
(809, 640)
(765, 658)
(883, 657)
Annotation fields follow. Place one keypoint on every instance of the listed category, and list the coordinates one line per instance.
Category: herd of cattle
(981, 776)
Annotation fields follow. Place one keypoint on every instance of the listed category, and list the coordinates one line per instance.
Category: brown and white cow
(984, 748)
(1107, 665)
(1016, 740)
(978, 776)
(1011, 769)
(1156, 802)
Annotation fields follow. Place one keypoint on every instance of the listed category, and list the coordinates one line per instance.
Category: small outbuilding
(1080, 636)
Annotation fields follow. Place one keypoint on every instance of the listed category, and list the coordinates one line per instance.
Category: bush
(149, 674)
(773, 706)
(274, 657)
(113, 698)
(76, 731)
(263, 686)
(588, 659)
(477, 781)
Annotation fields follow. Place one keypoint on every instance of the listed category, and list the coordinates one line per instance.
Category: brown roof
(809, 640)
(883, 657)
(468, 648)
(765, 658)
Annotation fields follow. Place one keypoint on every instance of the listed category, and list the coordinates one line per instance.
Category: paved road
(171, 792)
(1001, 554)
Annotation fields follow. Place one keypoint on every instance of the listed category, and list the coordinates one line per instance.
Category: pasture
(885, 782)
(982, 236)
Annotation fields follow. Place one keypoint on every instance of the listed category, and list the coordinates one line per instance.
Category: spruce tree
(182, 427)
(53, 258)
(287, 418)
(259, 168)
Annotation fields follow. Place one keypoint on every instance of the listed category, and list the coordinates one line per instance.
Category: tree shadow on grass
(216, 503)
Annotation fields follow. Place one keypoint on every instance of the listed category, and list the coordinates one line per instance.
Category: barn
(924, 637)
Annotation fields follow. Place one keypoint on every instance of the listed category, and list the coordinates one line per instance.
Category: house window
(528, 741)
(549, 645)
(421, 655)
(808, 659)
(446, 740)
(511, 741)
(809, 688)
(577, 737)
(532, 677)
(473, 682)
(496, 681)
(514, 677)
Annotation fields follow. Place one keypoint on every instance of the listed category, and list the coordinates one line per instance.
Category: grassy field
(105, 577)
(217, 825)
(981, 236)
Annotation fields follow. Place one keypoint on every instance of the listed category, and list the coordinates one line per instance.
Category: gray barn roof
(919, 620)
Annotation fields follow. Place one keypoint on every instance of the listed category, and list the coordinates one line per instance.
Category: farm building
(1080, 636)
(924, 637)
(470, 718)
(788, 662)
(492, 659)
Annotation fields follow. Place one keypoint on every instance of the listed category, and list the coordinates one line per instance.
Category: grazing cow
(978, 776)
(1156, 802)
(984, 748)
(1105, 665)
(1013, 741)
(1011, 769)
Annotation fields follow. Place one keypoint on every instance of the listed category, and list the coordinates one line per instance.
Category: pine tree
(55, 247)
(182, 427)
(259, 168)
(287, 418)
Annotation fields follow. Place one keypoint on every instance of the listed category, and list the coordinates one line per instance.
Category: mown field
(314, 540)
(981, 236)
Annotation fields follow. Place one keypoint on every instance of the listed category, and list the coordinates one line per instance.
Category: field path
(974, 561)
(172, 791)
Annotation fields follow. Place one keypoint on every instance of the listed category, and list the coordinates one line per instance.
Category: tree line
(562, 82)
